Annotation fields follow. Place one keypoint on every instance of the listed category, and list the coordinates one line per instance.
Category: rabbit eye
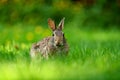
(63, 34)
(52, 34)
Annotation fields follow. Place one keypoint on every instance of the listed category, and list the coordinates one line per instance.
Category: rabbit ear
(51, 24)
(61, 24)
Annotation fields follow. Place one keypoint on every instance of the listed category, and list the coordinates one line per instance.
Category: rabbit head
(58, 35)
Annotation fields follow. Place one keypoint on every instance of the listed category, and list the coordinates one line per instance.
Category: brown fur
(51, 45)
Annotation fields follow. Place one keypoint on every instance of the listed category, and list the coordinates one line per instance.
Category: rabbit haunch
(55, 44)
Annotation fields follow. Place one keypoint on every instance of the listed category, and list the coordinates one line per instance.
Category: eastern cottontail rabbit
(55, 44)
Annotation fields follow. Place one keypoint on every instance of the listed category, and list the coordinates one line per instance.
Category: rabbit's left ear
(61, 24)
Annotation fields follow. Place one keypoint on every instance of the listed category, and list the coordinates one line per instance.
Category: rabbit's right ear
(51, 24)
(61, 24)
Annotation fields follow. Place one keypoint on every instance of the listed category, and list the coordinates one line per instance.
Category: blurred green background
(91, 15)
(96, 13)
(92, 29)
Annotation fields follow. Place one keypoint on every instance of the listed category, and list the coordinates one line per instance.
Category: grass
(93, 55)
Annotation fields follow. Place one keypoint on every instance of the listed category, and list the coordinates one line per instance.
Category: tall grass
(92, 55)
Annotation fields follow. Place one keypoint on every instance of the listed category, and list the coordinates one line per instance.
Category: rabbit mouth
(59, 45)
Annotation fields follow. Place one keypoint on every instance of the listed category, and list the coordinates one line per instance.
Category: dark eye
(52, 34)
(63, 34)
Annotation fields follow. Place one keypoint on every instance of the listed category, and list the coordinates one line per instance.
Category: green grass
(93, 55)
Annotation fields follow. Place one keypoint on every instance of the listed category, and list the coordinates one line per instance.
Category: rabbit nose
(57, 43)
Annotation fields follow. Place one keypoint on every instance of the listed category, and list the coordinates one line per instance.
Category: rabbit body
(52, 45)
(46, 47)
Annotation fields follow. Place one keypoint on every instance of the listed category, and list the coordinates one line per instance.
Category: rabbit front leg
(45, 52)
(45, 55)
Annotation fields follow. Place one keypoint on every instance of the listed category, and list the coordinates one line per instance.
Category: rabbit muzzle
(58, 41)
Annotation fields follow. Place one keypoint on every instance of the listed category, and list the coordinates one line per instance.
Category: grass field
(93, 54)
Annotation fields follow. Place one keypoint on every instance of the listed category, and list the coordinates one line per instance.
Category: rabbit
(52, 45)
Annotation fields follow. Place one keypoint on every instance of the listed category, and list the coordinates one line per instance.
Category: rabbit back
(40, 48)
(46, 47)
